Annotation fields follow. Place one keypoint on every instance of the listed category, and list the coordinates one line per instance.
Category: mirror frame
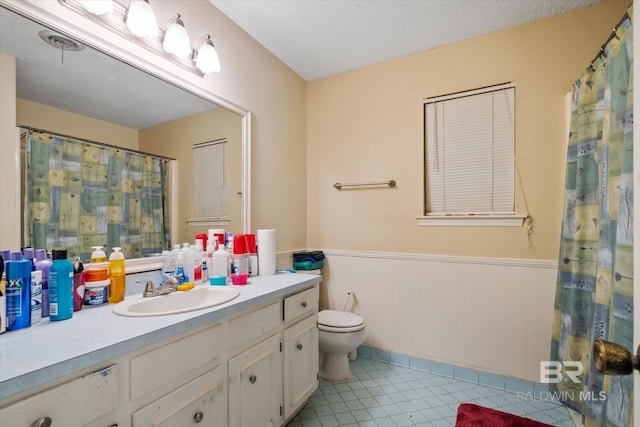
(66, 20)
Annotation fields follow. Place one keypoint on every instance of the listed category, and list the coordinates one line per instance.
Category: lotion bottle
(118, 276)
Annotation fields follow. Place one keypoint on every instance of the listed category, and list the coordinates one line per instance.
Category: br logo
(551, 371)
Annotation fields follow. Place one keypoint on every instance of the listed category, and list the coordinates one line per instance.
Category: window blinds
(470, 152)
(210, 193)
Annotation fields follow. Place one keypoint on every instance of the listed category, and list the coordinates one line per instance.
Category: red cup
(240, 244)
(251, 243)
(203, 237)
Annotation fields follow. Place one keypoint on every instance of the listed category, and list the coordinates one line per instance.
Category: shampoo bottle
(118, 277)
(60, 286)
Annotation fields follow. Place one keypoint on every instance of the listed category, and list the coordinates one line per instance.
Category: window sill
(472, 221)
(204, 222)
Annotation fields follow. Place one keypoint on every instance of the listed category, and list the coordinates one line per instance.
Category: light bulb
(206, 57)
(141, 20)
(176, 39)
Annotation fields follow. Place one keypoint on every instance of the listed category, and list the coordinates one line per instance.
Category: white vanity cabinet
(255, 366)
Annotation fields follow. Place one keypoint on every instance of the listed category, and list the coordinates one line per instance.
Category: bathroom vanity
(250, 362)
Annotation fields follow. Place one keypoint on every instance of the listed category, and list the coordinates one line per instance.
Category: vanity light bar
(116, 22)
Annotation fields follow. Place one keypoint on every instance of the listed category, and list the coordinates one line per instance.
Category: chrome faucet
(169, 286)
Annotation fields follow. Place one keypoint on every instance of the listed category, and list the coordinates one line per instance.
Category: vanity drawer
(77, 402)
(174, 360)
(302, 303)
(248, 327)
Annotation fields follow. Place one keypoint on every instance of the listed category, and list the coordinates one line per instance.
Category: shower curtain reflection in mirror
(80, 195)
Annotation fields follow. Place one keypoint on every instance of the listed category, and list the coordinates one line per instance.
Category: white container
(220, 264)
(96, 293)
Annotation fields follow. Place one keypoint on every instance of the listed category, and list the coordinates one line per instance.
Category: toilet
(340, 333)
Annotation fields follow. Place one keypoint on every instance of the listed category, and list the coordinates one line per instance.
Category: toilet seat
(339, 321)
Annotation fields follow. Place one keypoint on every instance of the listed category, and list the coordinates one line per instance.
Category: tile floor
(381, 394)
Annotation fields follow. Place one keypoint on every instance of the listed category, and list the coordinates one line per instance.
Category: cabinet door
(198, 403)
(300, 364)
(255, 386)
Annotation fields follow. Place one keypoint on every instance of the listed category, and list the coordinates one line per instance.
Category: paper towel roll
(266, 240)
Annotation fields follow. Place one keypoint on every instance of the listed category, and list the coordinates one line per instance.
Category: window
(210, 192)
(470, 154)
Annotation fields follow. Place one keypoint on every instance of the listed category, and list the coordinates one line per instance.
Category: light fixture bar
(116, 22)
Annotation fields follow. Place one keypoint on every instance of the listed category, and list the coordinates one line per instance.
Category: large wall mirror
(91, 95)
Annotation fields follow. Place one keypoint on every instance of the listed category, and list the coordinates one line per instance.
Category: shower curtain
(80, 195)
(594, 291)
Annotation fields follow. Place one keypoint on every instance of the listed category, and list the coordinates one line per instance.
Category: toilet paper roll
(266, 240)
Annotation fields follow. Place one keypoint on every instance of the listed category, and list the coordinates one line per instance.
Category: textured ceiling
(320, 38)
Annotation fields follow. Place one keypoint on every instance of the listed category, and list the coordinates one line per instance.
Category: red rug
(470, 415)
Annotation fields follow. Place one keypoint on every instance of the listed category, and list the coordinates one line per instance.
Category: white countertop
(49, 350)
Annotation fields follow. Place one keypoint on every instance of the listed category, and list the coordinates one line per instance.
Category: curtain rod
(611, 36)
(89, 141)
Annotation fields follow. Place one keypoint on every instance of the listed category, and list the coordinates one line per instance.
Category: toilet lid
(339, 319)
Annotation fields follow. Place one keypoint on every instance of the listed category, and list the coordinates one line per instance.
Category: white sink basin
(176, 302)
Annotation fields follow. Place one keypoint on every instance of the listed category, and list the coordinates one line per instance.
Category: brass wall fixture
(613, 359)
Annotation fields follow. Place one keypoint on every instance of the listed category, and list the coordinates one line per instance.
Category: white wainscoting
(489, 314)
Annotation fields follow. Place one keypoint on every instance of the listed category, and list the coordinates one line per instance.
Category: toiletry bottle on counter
(60, 286)
(253, 254)
(43, 264)
(219, 266)
(18, 294)
(18, 298)
(196, 257)
(3, 298)
(118, 277)
(240, 255)
(97, 255)
(36, 296)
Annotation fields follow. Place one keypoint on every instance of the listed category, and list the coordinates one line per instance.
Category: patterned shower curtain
(80, 195)
(594, 291)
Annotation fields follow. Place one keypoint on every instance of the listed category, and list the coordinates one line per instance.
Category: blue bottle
(60, 286)
(18, 298)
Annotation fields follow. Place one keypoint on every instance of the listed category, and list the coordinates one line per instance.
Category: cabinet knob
(198, 416)
(303, 304)
(42, 422)
(299, 346)
(253, 379)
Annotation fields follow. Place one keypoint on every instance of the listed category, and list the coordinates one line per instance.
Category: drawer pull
(198, 416)
(304, 304)
(253, 379)
(299, 346)
(42, 422)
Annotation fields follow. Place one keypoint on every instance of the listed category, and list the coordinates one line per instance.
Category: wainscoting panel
(488, 314)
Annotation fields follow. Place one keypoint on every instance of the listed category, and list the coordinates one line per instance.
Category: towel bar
(391, 183)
